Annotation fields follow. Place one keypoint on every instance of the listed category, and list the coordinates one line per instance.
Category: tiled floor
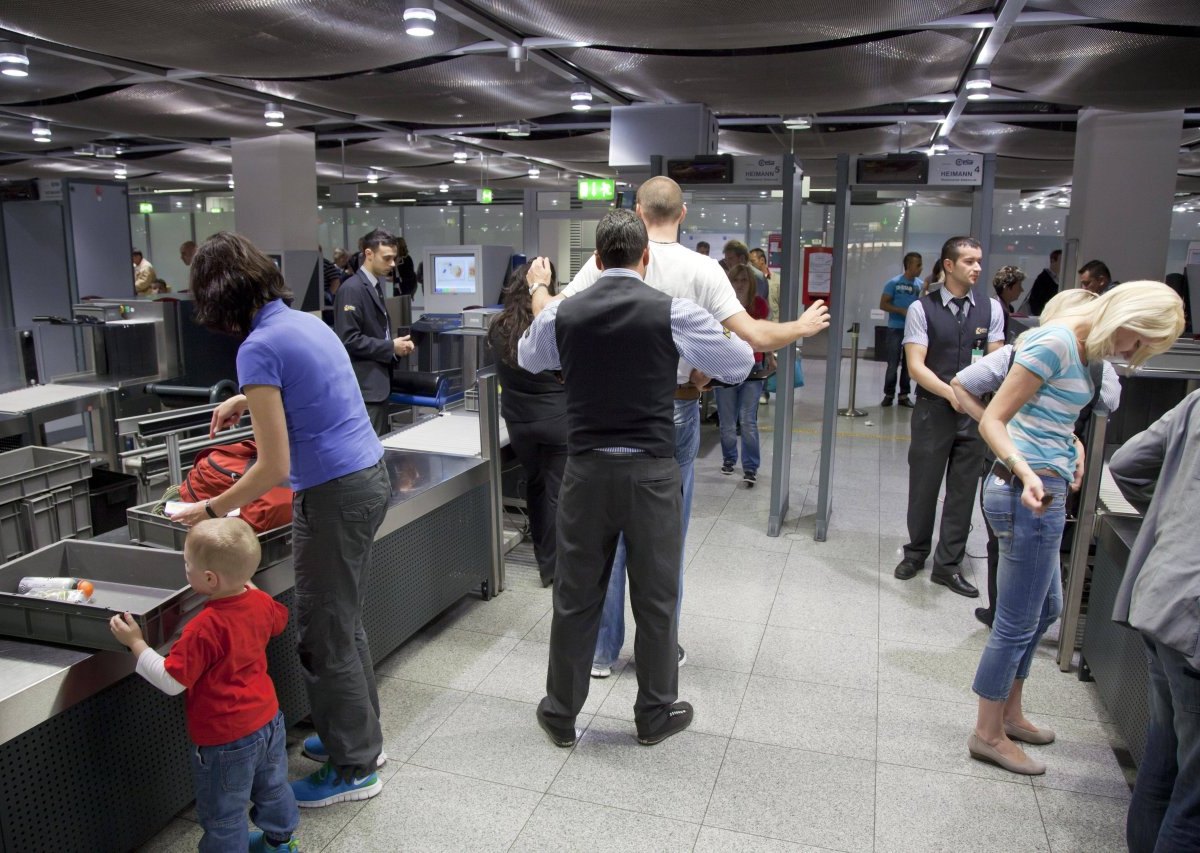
(832, 701)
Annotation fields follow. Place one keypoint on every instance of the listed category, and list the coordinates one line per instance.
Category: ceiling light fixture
(120, 174)
(106, 152)
(229, 183)
(41, 131)
(87, 149)
(581, 96)
(535, 172)
(372, 177)
(518, 53)
(518, 129)
(460, 154)
(940, 147)
(798, 123)
(419, 18)
(274, 115)
(14, 62)
(443, 187)
(979, 84)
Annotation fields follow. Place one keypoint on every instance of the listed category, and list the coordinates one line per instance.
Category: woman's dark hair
(511, 323)
(741, 276)
(230, 280)
(1005, 278)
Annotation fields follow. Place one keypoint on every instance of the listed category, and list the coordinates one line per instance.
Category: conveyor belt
(40, 396)
(451, 433)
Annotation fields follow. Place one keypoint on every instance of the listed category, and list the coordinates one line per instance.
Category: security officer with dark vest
(618, 344)
(361, 321)
(944, 332)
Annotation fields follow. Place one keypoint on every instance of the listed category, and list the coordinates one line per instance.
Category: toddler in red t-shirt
(232, 712)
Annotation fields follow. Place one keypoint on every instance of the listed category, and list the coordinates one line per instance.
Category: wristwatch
(208, 509)
(535, 286)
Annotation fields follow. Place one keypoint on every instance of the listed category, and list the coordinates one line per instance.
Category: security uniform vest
(618, 360)
(951, 342)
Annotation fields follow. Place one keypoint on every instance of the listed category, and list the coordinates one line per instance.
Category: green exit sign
(597, 189)
(145, 207)
(483, 195)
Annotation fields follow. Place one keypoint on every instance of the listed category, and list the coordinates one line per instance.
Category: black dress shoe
(956, 583)
(679, 717)
(905, 402)
(563, 736)
(547, 581)
(908, 569)
(985, 615)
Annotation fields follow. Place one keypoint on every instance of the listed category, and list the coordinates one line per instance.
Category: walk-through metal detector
(981, 226)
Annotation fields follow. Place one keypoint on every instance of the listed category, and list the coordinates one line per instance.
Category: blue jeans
(740, 403)
(1164, 815)
(252, 769)
(612, 623)
(1028, 581)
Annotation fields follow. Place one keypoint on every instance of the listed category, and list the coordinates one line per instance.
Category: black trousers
(378, 413)
(602, 497)
(945, 445)
(541, 448)
(333, 528)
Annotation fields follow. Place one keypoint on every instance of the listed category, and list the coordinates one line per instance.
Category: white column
(1122, 194)
(275, 199)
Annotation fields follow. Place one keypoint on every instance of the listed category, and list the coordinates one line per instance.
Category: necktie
(961, 303)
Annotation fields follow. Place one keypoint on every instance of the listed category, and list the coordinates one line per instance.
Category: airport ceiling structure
(161, 88)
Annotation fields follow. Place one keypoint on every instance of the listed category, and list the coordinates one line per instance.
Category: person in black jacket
(361, 321)
(1044, 286)
(406, 273)
(534, 407)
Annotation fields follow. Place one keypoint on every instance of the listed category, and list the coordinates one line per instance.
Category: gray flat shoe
(982, 751)
(1038, 737)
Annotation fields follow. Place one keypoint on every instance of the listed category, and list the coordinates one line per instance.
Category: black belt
(1000, 472)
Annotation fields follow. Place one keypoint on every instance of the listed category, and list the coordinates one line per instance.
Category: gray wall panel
(99, 216)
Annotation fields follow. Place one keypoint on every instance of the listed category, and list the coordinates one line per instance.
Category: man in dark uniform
(944, 331)
(1045, 285)
(618, 344)
(361, 321)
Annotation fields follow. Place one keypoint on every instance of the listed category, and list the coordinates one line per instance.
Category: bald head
(660, 202)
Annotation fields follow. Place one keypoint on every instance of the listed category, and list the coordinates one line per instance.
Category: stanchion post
(850, 411)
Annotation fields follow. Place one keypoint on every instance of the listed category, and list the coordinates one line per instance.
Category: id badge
(976, 354)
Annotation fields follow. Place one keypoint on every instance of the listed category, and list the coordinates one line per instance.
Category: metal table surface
(39, 680)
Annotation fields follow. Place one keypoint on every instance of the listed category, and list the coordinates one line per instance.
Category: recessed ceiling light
(14, 61)
(581, 96)
(535, 172)
(419, 18)
(443, 187)
(274, 115)
(41, 131)
(372, 177)
(798, 123)
(85, 150)
(106, 152)
(460, 154)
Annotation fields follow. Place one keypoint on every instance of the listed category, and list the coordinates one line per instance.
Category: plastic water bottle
(71, 596)
(34, 585)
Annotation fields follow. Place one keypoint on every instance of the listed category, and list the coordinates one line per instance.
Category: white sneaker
(601, 671)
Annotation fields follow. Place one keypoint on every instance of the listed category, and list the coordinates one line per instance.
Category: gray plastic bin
(29, 471)
(157, 531)
(65, 513)
(147, 583)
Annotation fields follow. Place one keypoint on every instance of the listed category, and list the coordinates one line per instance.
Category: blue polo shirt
(329, 433)
(904, 292)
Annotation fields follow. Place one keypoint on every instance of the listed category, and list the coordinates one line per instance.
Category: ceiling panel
(54, 77)
(257, 38)
(989, 137)
(464, 90)
(717, 24)
(587, 147)
(1100, 68)
(820, 142)
(168, 110)
(15, 136)
(393, 152)
(1177, 12)
(842, 78)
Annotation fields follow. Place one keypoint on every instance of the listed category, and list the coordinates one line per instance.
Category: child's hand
(125, 629)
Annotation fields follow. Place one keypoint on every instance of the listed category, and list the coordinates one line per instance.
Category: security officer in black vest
(944, 332)
(361, 321)
(618, 344)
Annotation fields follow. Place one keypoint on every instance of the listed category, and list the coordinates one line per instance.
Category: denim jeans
(1164, 815)
(612, 622)
(252, 769)
(734, 405)
(1028, 581)
(894, 347)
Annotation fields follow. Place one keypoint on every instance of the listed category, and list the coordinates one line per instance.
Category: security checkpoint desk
(94, 758)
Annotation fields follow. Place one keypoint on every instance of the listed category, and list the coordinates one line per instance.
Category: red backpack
(218, 468)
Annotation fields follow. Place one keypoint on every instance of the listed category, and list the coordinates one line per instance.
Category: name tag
(976, 354)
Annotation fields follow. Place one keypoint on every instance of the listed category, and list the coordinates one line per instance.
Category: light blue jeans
(734, 405)
(1028, 581)
(612, 622)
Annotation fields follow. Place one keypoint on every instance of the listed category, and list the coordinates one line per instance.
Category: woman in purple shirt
(312, 429)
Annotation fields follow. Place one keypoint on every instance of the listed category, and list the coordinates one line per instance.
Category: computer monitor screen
(454, 274)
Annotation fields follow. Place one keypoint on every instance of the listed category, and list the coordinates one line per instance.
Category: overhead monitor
(899, 169)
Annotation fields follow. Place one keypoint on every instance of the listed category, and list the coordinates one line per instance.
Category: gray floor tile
(710, 592)
(839, 544)
(804, 715)
(510, 614)
(919, 732)
(741, 563)
(447, 657)
(178, 836)
(411, 712)
(497, 740)
(929, 672)
(738, 534)
(946, 813)
(672, 779)
(573, 826)
(715, 694)
(521, 676)
(1081, 759)
(425, 811)
(823, 658)
(718, 643)
(714, 840)
(793, 795)
(1083, 823)
(1049, 691)
(918, 611)
(831, 596)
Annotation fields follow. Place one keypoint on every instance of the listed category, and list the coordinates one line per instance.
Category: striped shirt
(1043, 430)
